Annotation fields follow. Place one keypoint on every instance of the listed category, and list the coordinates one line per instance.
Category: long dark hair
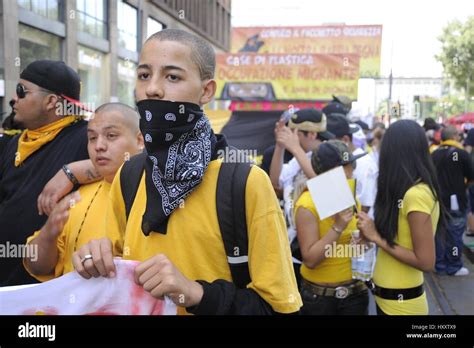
(405, 161)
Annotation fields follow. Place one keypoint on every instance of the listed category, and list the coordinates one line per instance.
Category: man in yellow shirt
(172, 226)
(113, 137)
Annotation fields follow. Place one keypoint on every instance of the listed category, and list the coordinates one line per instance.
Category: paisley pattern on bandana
(187, 160)
(180, 144)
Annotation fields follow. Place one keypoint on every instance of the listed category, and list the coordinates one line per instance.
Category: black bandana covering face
(180, 144)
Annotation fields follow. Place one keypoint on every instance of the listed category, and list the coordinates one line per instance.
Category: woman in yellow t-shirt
(327, 287)
(407, 214)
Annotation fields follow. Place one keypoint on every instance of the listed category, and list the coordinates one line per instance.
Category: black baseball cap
(311, 120)
(332, 154)
(335, 107)
(363, 125)
(338, 125)
(56, 77)
(344, 100)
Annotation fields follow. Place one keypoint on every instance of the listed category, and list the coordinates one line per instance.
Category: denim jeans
(356, 304)
(449, 248)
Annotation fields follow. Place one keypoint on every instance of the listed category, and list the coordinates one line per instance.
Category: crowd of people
(147, 184)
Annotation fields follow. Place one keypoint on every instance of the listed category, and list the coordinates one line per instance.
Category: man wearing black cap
(338, 105)
(366, 171)
(46, 96)
(306, 130)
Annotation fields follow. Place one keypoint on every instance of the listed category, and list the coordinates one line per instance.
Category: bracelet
(70, 175)
(336, 230)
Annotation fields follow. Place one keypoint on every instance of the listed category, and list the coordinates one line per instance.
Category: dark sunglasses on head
(21, 91)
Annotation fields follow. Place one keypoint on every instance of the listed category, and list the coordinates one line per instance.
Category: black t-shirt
(4, 140)
(19, 191)
(453, 167)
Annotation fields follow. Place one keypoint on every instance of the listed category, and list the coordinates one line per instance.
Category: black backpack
(230, 205)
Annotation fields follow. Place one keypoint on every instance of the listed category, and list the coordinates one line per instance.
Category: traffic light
(395, 112)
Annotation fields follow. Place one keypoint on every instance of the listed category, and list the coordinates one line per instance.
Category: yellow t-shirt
(193, 241)
(332, 269)
(393, 274)
(93, 227)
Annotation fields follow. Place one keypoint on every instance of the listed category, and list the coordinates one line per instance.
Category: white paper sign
(331, 192)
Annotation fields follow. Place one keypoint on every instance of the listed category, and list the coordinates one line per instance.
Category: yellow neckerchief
(12, 131)
(32, 140)
(433, 147)
(452, 143)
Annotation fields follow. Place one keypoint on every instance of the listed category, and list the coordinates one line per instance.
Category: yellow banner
(363, 40)
(286, 76)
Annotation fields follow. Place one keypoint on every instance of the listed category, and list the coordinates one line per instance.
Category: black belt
(340, 292)
(398, 294)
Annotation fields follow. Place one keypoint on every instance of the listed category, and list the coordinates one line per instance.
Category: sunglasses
(21, 91)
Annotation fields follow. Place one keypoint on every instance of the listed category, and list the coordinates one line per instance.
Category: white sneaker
(463, 271)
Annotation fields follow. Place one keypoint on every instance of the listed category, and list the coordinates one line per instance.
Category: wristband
(70, 175)
(336, 230)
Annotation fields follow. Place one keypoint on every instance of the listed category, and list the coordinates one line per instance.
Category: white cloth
(366, 174)
(73, 295)
(289, 171)
(288, 174)
(375, 154)
(359, 139)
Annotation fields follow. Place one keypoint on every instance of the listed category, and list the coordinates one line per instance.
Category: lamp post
(468, 86)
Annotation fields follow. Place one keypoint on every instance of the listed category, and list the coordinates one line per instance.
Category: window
(153, 26)
(127, 26)
(126, 82)
(36, 44)
(94, 73)
(92, 17)
(46, 8)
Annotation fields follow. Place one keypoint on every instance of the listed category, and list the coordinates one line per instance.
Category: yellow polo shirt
(336, 268)
(94, 199)
(193, 241)
(393, 274)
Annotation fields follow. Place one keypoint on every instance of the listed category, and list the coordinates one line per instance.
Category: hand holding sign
(331, 192)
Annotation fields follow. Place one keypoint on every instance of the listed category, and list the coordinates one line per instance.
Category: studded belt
(339, 292)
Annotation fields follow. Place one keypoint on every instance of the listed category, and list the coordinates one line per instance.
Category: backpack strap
(230, 204)
(130, 177)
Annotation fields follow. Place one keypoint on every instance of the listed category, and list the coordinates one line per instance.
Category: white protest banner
(73, 295)
(331, 192)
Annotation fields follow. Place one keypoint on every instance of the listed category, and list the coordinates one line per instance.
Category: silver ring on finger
(85, 258)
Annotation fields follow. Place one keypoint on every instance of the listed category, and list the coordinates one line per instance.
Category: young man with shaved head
(172, 227)
(113, 137)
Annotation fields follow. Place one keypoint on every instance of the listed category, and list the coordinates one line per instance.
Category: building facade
(101, 39)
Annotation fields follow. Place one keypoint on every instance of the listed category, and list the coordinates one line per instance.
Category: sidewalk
(453, 295)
